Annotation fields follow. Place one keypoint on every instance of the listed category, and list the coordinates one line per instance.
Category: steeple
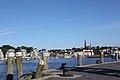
(90, 44)
(85, 44)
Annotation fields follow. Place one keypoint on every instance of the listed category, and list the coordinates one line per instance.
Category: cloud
(68, 20)
(29, 27)
(110, 26)
(64, 20)
(106, 27)
(3, 30)
(9, 30)
(6, 33)
(35, 26)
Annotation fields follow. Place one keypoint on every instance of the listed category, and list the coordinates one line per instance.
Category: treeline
(96, 50)
(4, 48)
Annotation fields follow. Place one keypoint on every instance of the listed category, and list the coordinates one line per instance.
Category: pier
(105, 71)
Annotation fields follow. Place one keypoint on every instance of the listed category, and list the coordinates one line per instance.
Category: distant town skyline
(59, 24)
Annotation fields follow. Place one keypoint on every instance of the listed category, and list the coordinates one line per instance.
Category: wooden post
(79, 59)
(19, 65)
(45, 59)
(10, 63)
(28, 77)
(101, 57)
(40, 69)
(116, 55)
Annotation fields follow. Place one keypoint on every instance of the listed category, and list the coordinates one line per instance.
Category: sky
(59, 24)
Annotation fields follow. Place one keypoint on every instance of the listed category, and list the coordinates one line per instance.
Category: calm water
(30, 66)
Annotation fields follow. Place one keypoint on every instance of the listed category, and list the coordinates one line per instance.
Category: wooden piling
(79, 59)
(101, 57)
(19, 65)
(40, 68)
(28, 77)
(116, 55)
(10, 63)
(45, 59)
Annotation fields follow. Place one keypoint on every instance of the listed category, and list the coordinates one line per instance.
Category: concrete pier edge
(55, 72)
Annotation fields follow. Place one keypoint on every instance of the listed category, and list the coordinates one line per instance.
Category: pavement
(105, 71)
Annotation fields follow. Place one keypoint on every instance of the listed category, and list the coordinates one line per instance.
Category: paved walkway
(107, 71)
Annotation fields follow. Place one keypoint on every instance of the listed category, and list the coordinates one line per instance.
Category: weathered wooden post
(28, 77)
(116, 55)
(40, 69)
(10, 63)
(45, 59)
(101, 57)
(19, 65)
(79, 59)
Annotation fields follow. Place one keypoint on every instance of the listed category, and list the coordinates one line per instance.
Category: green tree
(5, 48)
(17, 49)
(97, 50)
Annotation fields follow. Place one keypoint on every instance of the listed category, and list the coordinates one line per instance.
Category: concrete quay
(104, 71)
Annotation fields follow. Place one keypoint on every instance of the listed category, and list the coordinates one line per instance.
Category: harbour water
(31, 65)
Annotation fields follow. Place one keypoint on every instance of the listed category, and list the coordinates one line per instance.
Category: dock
(104, 71)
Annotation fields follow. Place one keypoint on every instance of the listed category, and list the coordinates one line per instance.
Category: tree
(97, 50)
(29, 49)
(24, 47)
(5, 48)
(17, 49)
(76, 49)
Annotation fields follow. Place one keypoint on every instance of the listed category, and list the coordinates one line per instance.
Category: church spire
(85, 44)
(90, 44)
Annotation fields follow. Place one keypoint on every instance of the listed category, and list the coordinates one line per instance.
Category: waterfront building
(9, 51)
(46, 53)
(66, 55)
(59, 55)
(87, 46)
(74, 55)
(34, 53)
(1, 55)
(87, 50)
(24, 53)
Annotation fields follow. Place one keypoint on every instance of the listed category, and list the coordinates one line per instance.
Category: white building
(34, 53)
(1, 55)
(9, 51)
(24, 53)
(88, 52)
(46, 53)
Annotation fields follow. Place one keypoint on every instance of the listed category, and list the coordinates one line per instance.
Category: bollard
(10, 56)
(45, 59)
(40, 68)
(116, 55)
(101, 57)
(63, 65)
(79, 59)
(19, 65)
(65, 70)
